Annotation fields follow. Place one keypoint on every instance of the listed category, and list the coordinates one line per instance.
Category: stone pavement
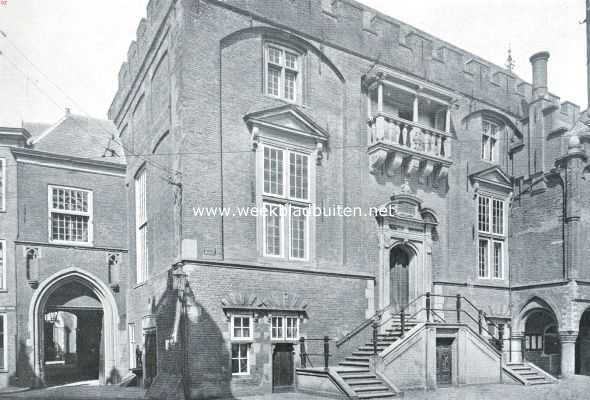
(576, 388)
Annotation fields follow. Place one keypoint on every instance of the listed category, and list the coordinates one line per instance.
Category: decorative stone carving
(32, 256)
(113, 261)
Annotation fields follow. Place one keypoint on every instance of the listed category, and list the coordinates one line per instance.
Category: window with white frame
(491, 237)
(283, 71)
(284, 328)
(489, 140)
(534, 342)
(241, 328)
(286, 201)
(70, 215)
(2, 184)
(240, 358)
(3, 342)
(241, 336)
(3, 264)
(132, 344)
(141, 226)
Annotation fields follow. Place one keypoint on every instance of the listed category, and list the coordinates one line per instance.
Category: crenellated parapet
(147, 32)
(361, 30)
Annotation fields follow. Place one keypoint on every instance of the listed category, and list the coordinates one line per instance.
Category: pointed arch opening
(93, 351)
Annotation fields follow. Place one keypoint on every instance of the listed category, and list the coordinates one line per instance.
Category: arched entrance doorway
(541, 340)
(73, 319)
(399, 274)
(583, 345)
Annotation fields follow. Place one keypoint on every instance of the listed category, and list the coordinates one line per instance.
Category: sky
(67, 53)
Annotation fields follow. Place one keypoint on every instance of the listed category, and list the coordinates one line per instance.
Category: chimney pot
(539, 63)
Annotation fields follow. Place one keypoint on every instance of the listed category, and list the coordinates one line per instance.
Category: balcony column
(448, 120)
(415, 110)
(380, 120)
(369, 105)
(568, 352)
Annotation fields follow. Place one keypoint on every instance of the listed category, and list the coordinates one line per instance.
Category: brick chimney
(539, 63)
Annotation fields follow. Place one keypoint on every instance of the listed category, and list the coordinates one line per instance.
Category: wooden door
(399, 278)
(444, 362)
(151, 359)
(282, 368)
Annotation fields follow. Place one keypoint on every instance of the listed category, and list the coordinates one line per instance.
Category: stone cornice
(28, 156)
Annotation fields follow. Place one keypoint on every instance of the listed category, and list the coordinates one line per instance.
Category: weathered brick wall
(110, 233)
(536, 246)
(215, 77)
(8, 232)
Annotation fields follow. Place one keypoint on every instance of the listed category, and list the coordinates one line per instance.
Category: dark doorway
(542, 346)
(282, 368)
(583, 345)
(444, 361)
(399, 262)
(73, 345)
(151, 358)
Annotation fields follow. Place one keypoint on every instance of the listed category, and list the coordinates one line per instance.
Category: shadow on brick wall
(200, 364)
(24, 375)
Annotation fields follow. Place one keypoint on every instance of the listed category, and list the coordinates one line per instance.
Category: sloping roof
(36, 128)
(80, 136)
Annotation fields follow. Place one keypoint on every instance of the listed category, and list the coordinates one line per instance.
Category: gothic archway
(110, 320)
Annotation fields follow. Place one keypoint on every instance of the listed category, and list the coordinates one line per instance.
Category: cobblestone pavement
(577, 388)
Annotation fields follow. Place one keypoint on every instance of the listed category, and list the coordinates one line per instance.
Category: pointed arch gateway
(110, 322)
(406, 232)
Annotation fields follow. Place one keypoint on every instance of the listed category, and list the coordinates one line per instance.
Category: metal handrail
(377, 319)
(305, 355)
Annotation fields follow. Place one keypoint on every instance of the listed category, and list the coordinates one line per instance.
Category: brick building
(64, 268)
(292, 105)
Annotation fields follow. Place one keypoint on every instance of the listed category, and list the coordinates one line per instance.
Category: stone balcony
(399, 145)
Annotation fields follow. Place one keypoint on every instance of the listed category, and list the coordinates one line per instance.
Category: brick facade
(194, 77)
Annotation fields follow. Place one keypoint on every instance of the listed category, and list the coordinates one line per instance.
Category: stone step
(378, 395)
(358, 359)
(375, 389)
(352, 372)
(535, 378)
(361, 353)
(353, 364)
(363, 382)
(358, 377)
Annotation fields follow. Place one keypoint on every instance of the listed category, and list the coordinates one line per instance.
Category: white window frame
(286, 203)
(141, 226)
(132, 343)
(284, 336)
(489, 141)
(283, 71)
(3, 189)
(492, 238)
(250, 328)
(247, 346)
(89, 214)
(3, 280)
(4, 333)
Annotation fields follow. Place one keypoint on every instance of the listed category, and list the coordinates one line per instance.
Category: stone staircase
(528, 374)
(356, 369)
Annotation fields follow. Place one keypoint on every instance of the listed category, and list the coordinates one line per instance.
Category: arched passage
(583, 345)
(541, 337)
(69, 288)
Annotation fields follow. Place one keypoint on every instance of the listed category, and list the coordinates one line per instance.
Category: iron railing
(483, 322)
(306, 343)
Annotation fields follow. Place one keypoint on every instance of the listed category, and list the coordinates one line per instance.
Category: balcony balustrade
(396, 143)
